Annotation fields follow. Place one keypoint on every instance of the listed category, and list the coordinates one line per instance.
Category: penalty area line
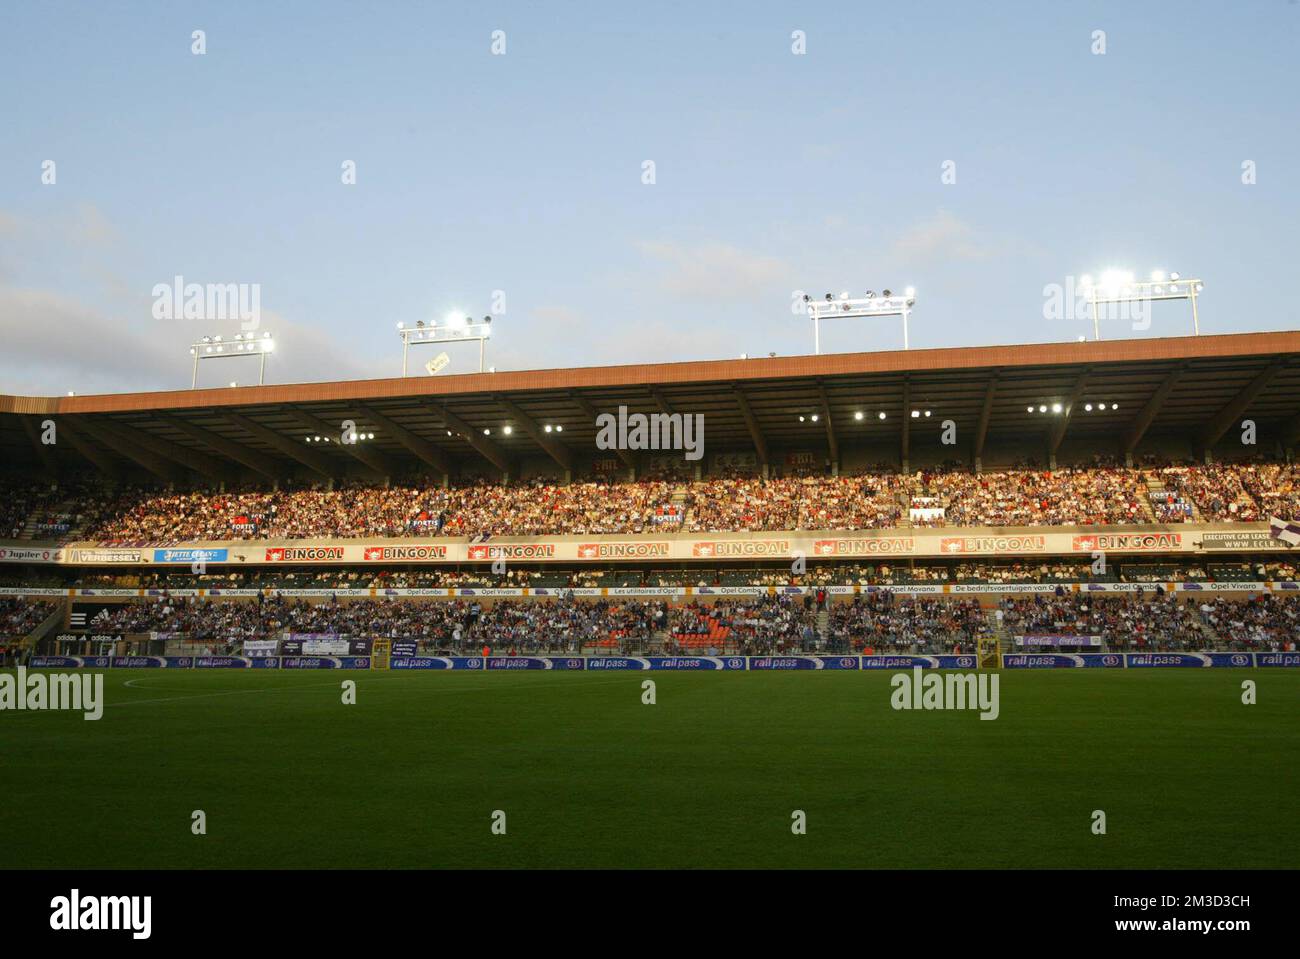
(227, 692)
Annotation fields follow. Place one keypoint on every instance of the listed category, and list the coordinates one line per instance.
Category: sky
(982, 153)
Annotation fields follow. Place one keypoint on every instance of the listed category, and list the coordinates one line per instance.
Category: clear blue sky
(522, 173)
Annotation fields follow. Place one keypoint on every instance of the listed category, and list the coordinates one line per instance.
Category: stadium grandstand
(1118, 495)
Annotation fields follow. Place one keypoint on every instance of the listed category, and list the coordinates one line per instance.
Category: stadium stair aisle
(1000, 631)
(1156, 491)
(1215, 642)
(51, 624)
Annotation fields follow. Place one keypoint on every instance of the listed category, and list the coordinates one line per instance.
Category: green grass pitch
(288, 776)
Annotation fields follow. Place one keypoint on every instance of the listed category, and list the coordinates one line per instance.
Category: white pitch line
(228, 692)
(268, 689)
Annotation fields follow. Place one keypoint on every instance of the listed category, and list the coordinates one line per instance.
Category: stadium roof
(1194, 387)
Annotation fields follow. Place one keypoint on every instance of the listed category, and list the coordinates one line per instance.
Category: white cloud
(943, 237)
(717, 271)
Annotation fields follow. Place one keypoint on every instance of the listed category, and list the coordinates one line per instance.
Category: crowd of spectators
(19, 616)
(474, 509)
(1158, 621)
(886, 622)
(461, 625)
(1265, 622)
(1216, 490)
(1028, 497)
(1102, 493)
(1149, 620)
(763, 626)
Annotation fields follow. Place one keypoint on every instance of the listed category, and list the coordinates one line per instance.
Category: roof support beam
(547, 441)
(661, 401)
(357, 449)
(1225, 418)
(1147, 415)
(1291, 433)
(831, 440)
(46, 455)
(489, 450)
(160, 466)
(202, 463)
(755, 432)
(82, 445)
(314, 461)
(1061, 425)
(986, 412)
(907, 423)
(418, 445)
(258, 462)
(590, 412)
